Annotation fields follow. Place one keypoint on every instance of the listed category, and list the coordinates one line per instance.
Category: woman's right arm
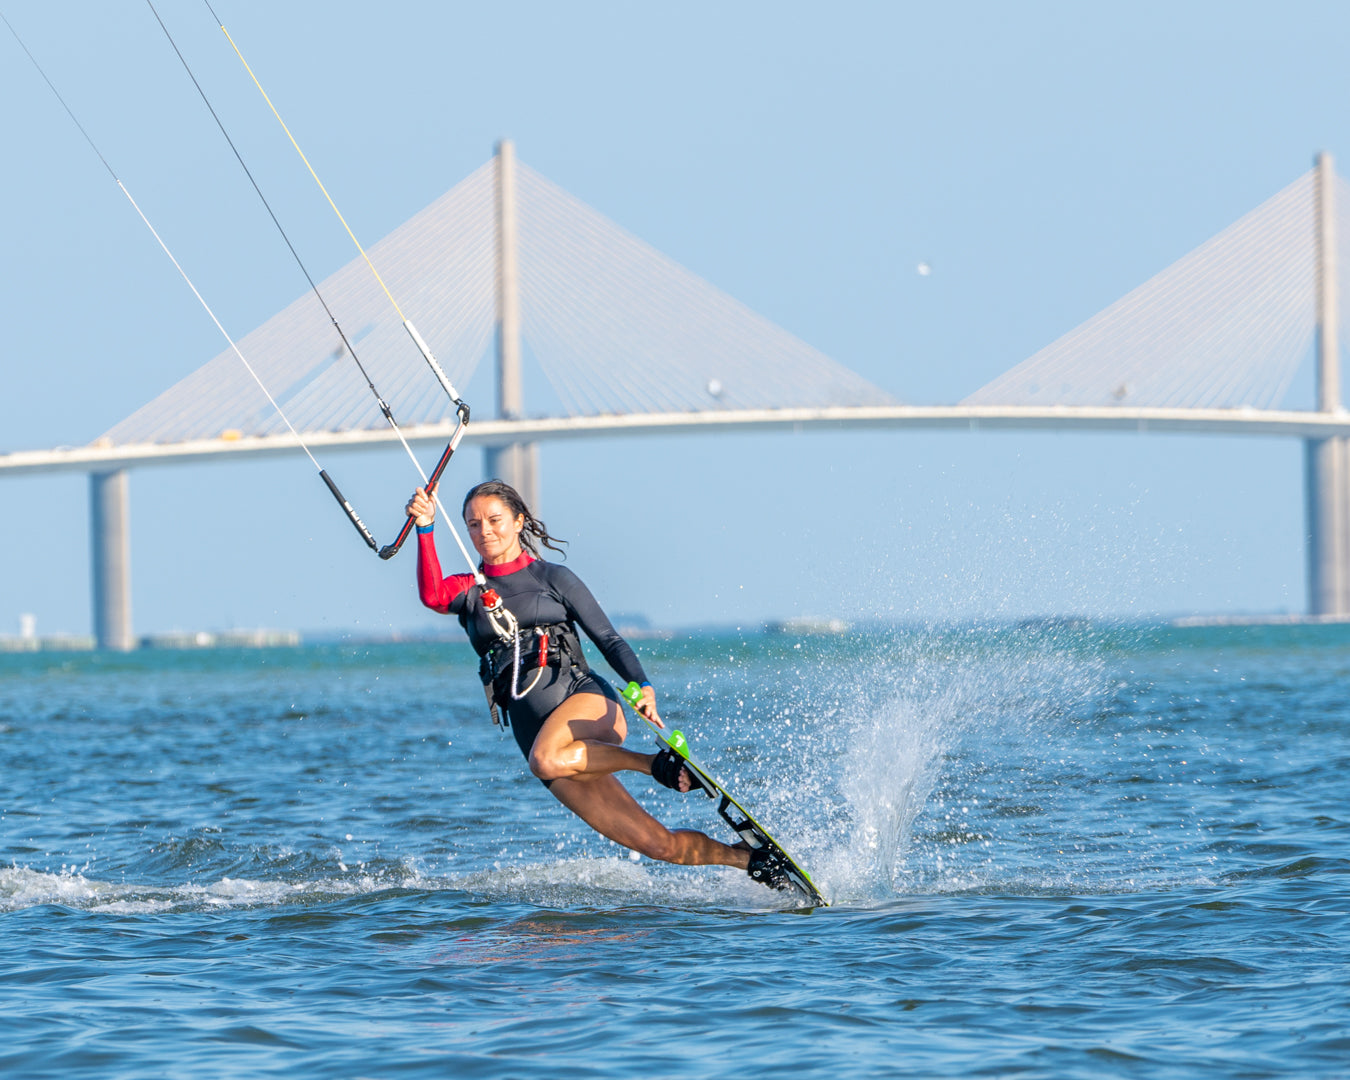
(437, 591)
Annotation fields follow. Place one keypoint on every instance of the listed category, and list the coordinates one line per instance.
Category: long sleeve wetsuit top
(537, 593)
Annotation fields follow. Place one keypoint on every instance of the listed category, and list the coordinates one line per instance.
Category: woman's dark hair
(534, 528)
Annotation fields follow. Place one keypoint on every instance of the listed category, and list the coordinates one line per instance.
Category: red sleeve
(436, 591)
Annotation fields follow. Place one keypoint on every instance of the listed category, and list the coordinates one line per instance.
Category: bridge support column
(110, 550)
(1324, 467)
(1327, 461)
(517, 464)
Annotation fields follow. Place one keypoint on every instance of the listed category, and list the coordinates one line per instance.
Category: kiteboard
(733, 813)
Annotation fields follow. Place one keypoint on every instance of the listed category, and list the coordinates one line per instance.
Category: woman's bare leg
(605, 805)
(578, 750)
(583, 737)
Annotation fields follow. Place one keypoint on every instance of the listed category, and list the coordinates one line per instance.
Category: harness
(553, 645)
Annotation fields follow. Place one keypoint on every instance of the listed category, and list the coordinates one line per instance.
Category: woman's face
(495, 533)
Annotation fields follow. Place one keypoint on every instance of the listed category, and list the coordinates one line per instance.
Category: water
(1051, 851)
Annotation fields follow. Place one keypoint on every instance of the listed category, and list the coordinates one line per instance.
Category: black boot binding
(769, 868)
(666, 769)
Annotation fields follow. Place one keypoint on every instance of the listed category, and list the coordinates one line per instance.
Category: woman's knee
(548, 766)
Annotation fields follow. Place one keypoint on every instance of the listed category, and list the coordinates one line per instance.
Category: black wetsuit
(542, 596)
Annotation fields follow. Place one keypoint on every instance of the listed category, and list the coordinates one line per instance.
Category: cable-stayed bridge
(631, 343)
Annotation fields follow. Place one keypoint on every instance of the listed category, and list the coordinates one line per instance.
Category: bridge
(631, 343)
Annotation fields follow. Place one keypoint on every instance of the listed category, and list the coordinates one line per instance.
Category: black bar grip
(351, 514)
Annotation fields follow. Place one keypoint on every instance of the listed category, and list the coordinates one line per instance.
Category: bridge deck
(1289, 423)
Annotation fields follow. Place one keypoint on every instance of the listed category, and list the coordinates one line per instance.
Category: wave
(22, 887)
(564, 883)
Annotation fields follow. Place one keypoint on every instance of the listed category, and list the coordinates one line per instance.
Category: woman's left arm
(582, 606)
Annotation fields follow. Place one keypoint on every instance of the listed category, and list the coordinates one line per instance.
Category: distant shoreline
(797, 627)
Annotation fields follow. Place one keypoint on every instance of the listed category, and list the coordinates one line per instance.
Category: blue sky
(1043, 158)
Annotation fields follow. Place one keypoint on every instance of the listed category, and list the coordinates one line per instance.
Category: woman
(568, 722)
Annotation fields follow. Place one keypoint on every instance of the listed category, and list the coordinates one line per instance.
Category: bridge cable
(332, 487)
(389, 550)
(1225, 326)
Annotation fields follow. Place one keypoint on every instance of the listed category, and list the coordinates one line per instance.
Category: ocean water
(1056, 850)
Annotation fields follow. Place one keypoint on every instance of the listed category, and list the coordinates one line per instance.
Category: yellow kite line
(407, 325)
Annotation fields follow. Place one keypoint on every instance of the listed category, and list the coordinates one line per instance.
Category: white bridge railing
(491, 433)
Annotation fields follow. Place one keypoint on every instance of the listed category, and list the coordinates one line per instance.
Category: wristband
(425, 528)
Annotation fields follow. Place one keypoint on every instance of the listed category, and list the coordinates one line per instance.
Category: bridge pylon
(517, 463)
(1327, 460)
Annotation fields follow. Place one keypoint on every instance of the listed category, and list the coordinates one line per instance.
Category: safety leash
(507, 628)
